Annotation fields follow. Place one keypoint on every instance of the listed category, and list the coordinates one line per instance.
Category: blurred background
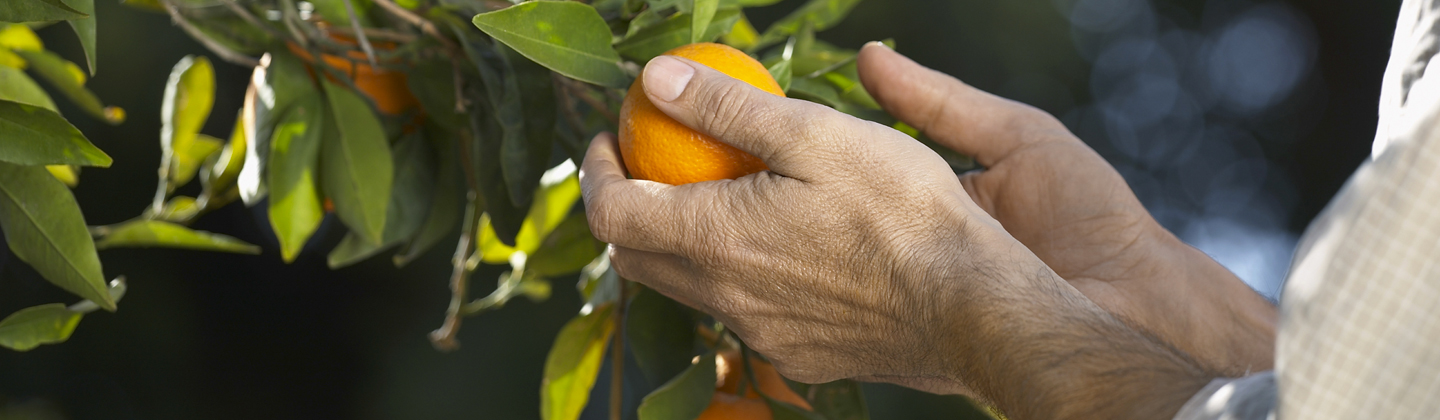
(1234, 121)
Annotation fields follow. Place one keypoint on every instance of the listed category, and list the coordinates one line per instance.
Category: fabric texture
(1360, 312)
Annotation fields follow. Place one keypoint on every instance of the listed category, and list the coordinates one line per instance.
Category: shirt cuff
(1248, 398)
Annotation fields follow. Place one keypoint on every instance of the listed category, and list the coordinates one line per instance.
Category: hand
(859, 254)
(1067, 205)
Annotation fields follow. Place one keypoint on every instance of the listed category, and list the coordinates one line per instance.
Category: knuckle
(726, 106)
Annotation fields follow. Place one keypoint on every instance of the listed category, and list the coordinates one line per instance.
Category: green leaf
(85, 30)
(69, 79)
(446, 205)
(334, 11)
(598, 284)
(673, 32)
(161, 234)
(356, 165)
(815, 91)
(661, 335)
(559, 190)
(179, 209)
(37, 11)
(703, 11)
(433, 83)
(568, 37)
(280, 80)
(16, 86)
(685, 396)
(190, 155)
(409, 203)
(43, 227)
(221, 174)
(838, 400)
(295, 210)
(30, 135)
(781, 69)
(742, 36)
(572, 364)
(567, 249)
(525, 154)
(647, 17)
(189, 95)
(487, 138)
(68, 174)
(818, 14)
(45, 324)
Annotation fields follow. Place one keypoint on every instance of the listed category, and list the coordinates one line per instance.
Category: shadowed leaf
(356, 166)
(85, 29)
(675, 31)
(409, 203)
(69, 79)
(43, 227)
(37, 11)
(683, 397)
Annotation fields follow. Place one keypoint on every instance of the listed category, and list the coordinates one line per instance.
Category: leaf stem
(224, 52)
(444, 338)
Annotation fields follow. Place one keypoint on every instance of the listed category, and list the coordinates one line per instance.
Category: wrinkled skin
(861, 255)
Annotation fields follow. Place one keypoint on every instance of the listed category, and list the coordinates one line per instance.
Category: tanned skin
(1039, 285)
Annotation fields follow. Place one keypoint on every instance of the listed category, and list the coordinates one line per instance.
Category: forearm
(1049, 353)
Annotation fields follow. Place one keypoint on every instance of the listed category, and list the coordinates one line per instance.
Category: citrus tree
(411, 122)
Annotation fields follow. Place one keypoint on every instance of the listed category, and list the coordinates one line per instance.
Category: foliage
(409, 122)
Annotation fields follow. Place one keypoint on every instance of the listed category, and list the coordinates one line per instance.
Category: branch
(224, 52)
(245, 15)
(444, 338)
(425, 25)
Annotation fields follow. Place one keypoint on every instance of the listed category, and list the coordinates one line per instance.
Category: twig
(444, 337)
(617, 357)
(425, 25)
(576, 90)
(224, 52)
(380, 34)
(245, 15)
(289, 16)
(360, 33)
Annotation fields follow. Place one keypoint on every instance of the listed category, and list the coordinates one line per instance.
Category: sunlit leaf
(781, 70)
(31, 135)
(70, 175)
(189, 155)
(69, 79)
(31, 327)
(43, 227)
(662, 335)
(409, 203)
(161, 234)
(221, 175)
(179, 209)
(567, 249)
(572, 364)
(568, 37)
(295, 209)
(673, 32)
(279, 81)
(85, 29)
(559, 190)
(189, 95)
(598, 284)
(683, 397)
(525, 153)
(37, 11)
(818, 14)
(18, 87)
(19, 37)
(701, 14)
(742, 36)
(356, 166)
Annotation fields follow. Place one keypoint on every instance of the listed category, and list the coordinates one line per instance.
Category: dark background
(1235, 122)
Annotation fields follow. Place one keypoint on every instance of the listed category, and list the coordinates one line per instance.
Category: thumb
(784, 133)
(956, 115)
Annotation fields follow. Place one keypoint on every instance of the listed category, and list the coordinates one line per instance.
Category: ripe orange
(726, 406)
(731, 368)
(658, 148)
(388, 89)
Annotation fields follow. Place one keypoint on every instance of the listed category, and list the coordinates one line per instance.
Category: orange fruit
(388, 89)
(725, 406)
(658, 148)
(730, 368)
